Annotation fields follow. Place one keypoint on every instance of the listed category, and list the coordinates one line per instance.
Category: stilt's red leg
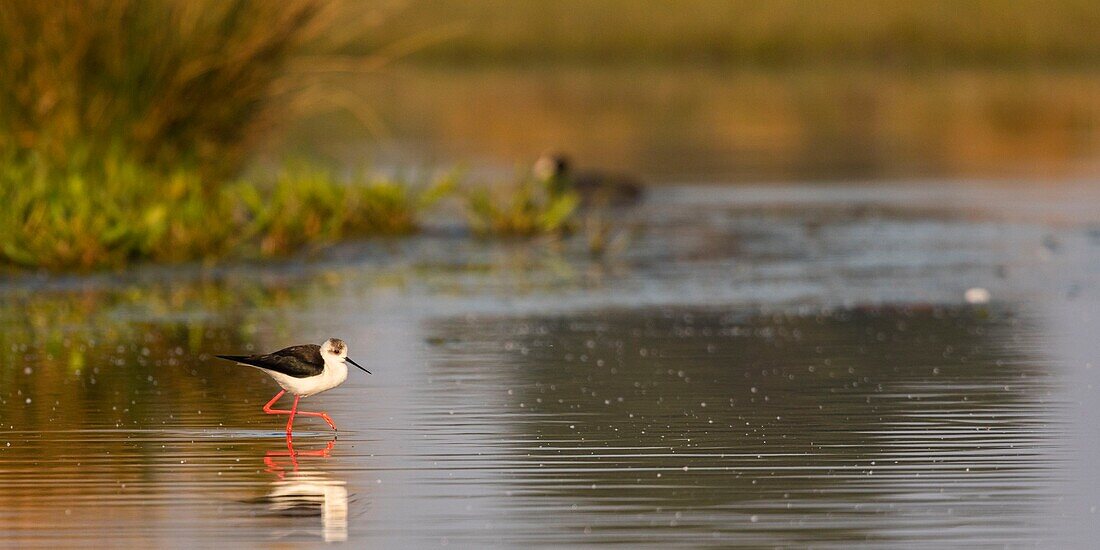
(290, 422)
(323, 415)
(294, 411)
(269, 410)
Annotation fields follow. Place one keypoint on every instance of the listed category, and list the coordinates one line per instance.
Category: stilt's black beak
(357, 364)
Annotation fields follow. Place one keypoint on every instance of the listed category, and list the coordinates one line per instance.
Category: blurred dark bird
(596, 188)
(303, 371)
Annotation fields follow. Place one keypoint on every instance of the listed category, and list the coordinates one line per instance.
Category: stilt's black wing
(297, 361)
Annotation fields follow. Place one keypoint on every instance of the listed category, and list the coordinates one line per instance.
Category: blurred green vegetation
(773, 33)
(164, 83)
(528, 208)
(109, 212)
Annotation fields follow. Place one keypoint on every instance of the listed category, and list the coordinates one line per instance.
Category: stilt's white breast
(333, 375)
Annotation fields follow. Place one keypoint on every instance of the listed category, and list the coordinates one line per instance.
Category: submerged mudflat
(757, 366)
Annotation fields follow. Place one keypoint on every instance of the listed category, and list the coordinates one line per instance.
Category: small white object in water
(976, 295)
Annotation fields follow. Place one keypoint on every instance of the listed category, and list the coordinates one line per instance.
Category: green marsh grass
(112, 212)
(526, 208)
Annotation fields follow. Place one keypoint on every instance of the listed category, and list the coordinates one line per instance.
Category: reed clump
(165, 83)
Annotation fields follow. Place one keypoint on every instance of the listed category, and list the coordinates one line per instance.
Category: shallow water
(757, 367)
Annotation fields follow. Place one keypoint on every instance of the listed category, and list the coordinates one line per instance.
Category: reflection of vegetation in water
(108, 373)
(693, 410)
(91, 401)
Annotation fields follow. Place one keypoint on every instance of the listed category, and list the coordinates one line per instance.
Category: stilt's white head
(335, 350)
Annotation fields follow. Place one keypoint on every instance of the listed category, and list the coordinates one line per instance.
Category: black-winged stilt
(303, 371)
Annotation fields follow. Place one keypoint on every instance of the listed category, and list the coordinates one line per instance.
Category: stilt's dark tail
(236, 358)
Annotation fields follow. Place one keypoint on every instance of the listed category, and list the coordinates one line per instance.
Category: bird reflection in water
(300, 491)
